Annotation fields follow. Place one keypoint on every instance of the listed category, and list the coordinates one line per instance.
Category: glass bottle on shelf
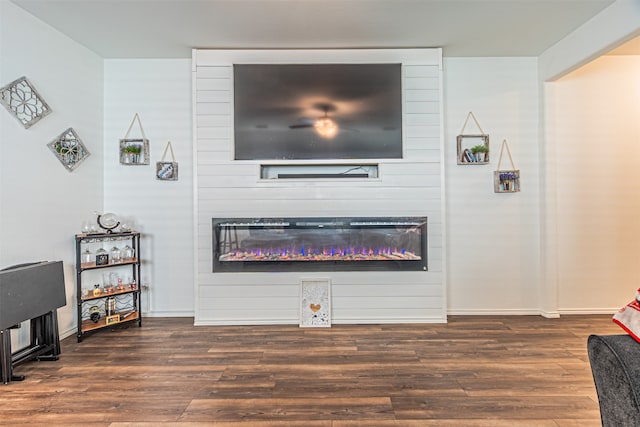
(127, 253)
(86, 257)
(115, 255)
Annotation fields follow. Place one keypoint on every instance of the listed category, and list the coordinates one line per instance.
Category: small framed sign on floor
(315, 303)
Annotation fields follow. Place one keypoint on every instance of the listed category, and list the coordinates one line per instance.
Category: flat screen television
(317, 111)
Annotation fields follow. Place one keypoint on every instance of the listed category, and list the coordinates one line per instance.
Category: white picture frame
(167, 171)
(315, 303)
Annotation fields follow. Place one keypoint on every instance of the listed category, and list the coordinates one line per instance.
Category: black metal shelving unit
(129, 293)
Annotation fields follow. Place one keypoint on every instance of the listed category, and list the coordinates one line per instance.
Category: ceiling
(171, 28)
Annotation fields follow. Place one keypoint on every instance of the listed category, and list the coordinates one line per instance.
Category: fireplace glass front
(319, 244)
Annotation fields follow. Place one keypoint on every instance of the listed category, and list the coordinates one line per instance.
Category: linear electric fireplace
(319, 244)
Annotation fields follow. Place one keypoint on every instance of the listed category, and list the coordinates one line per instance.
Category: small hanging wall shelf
(134, 151)
(506, 180)
(167, 171)
(473, 149)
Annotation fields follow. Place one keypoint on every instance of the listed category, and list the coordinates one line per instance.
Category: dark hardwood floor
(474, 371)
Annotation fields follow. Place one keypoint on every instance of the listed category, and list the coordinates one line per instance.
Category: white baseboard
(522, 312)
(550, 314)
(168, 314)
(222, 322)
(250, 322)
(68, 332)
(495, 312)
(609, 311)
(390, 321)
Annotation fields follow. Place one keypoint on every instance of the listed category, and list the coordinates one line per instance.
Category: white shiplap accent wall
(412, 186)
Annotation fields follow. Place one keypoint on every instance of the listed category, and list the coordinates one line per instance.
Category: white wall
(595, 133)
(409, 187)
(493, 239)
(614, 25)
(160, 92)
(42, 205)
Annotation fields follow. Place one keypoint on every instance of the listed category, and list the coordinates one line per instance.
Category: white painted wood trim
(443, 200)
(194, 137)
(610, 28)
(429, 56)
(548, 205)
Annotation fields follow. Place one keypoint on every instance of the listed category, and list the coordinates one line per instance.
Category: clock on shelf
(108, 222)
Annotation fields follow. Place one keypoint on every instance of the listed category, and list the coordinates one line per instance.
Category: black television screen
(317, 111)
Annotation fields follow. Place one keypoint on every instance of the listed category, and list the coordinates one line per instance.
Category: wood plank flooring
(474, 371)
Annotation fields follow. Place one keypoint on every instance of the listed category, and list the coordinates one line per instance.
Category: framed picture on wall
(315, 303)
(167, 171)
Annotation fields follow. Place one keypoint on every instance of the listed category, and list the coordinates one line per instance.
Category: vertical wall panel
(411, 186)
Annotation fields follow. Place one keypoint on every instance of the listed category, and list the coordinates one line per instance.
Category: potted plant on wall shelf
(509, 181)
(480, 152)
(132, 153)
